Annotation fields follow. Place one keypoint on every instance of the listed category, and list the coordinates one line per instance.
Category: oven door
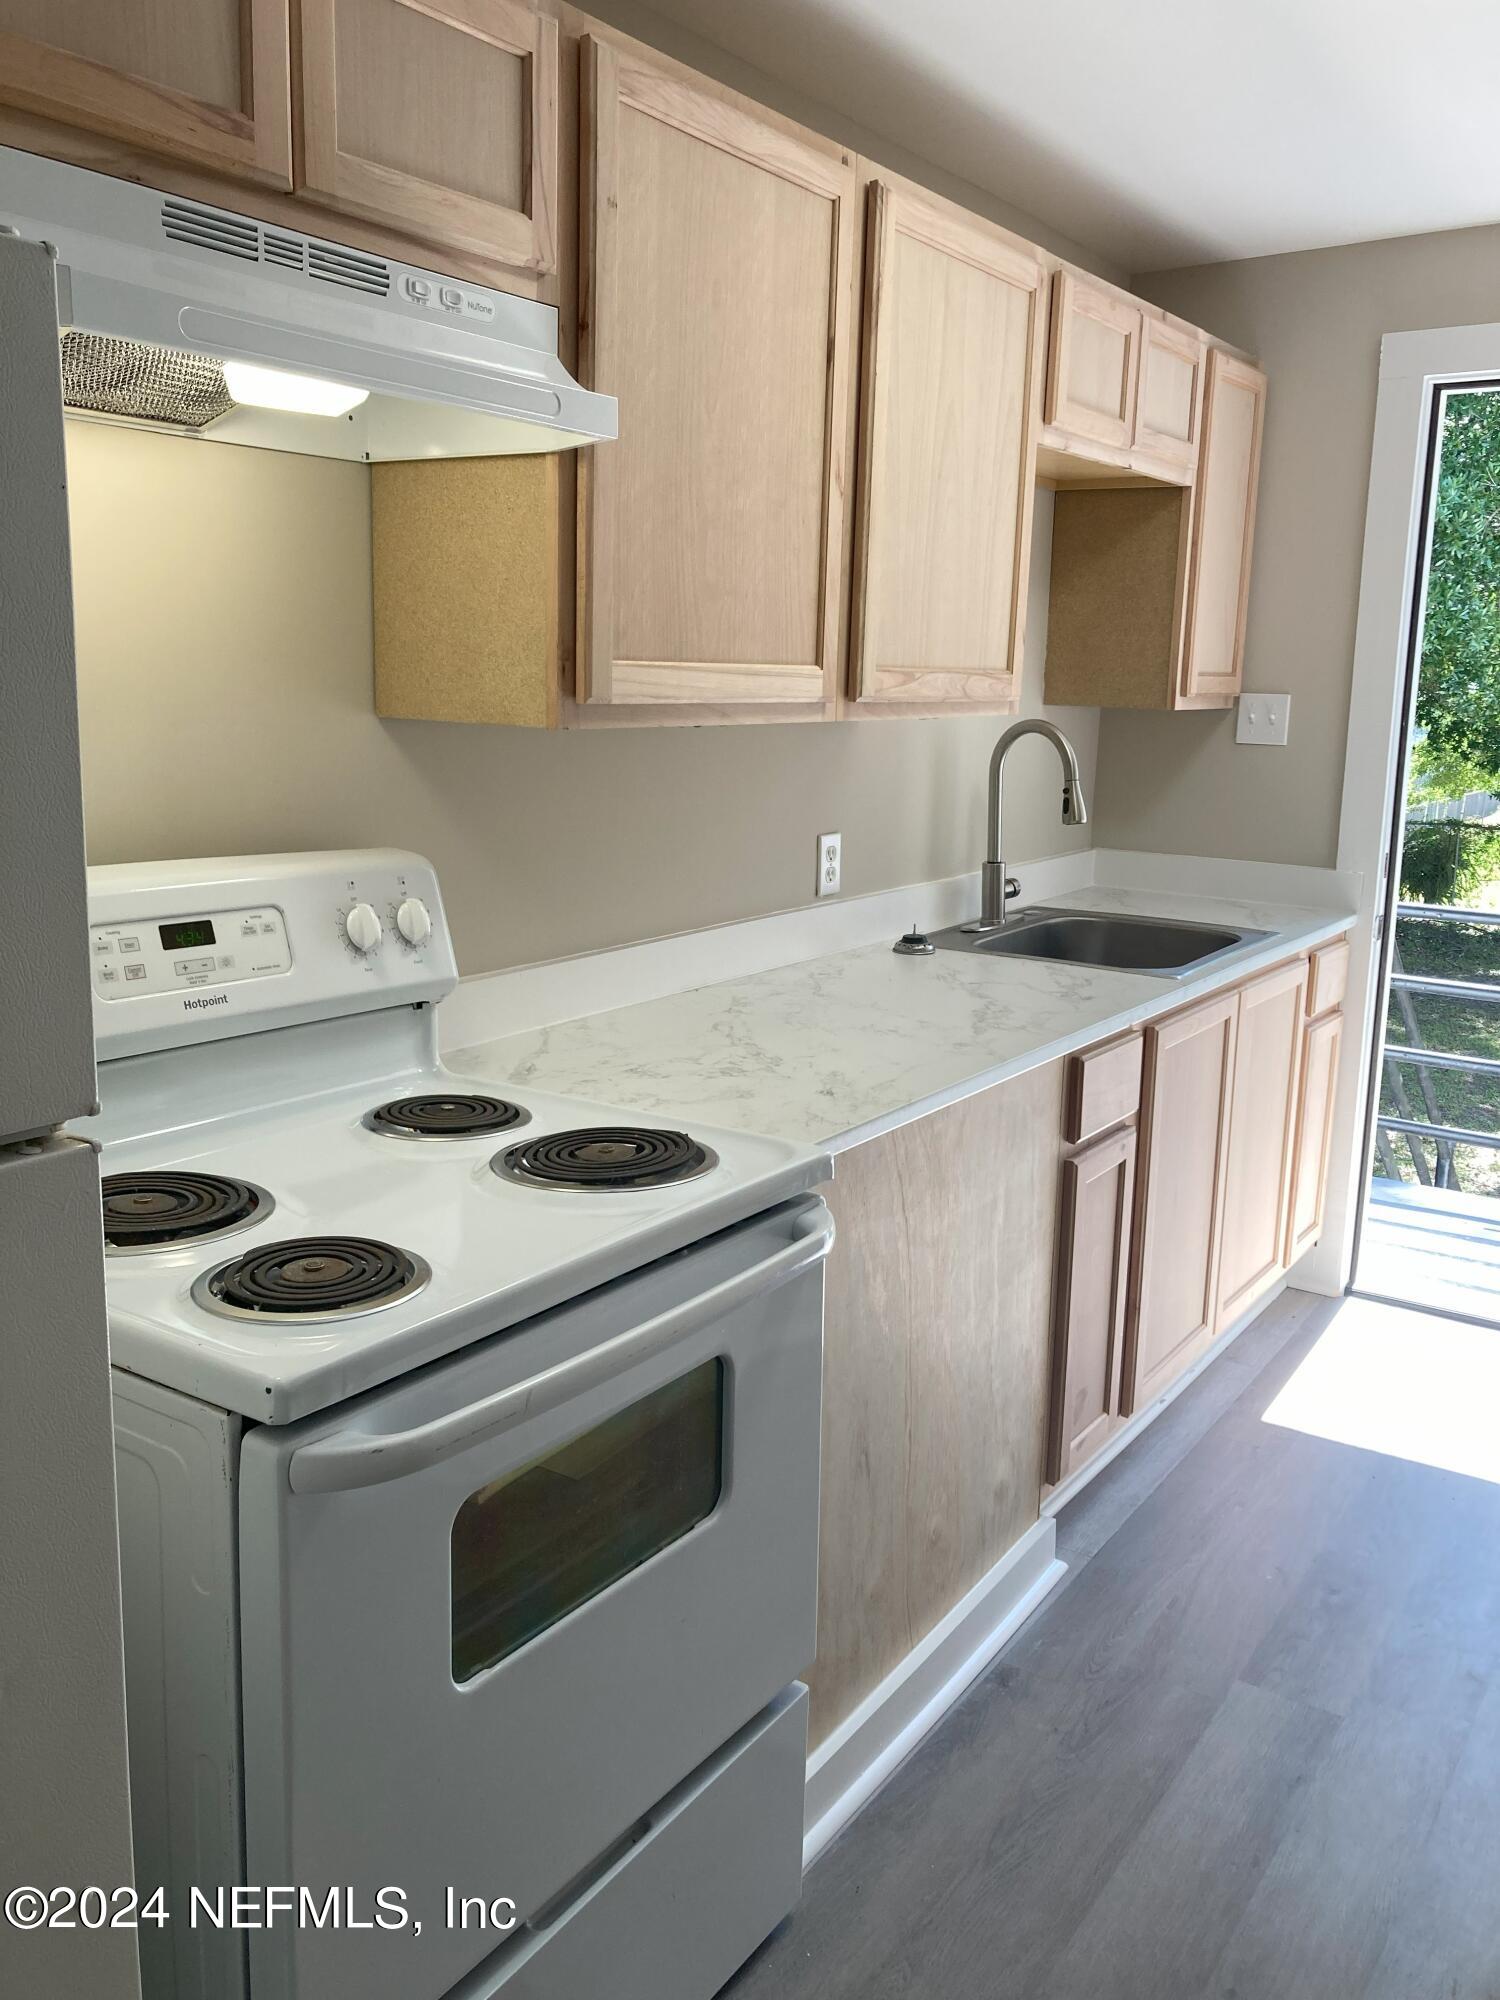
(492, 1613)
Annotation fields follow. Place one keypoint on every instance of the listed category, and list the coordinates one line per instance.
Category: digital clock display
(186, 937)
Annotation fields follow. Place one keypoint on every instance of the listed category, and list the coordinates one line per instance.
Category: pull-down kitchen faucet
(995, 885)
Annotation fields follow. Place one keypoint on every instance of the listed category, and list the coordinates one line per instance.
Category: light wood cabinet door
(716, 247)
(1169, 393)
(1223, 532)
(950, 401)
(1094, 354)
(1180, 1209)
(1314, 1140)
(1262, 1120)
(435, 117)
(206, 81)
(1089, 1304)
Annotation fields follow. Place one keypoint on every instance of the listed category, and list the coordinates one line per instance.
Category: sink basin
(1161, 946)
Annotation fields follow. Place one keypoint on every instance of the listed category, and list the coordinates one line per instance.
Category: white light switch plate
(1262, 718)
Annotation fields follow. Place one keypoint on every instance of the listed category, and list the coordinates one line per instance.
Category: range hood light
(303, 395)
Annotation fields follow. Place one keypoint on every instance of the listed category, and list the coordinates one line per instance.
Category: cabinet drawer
(1328, 979)
(1104, 1087)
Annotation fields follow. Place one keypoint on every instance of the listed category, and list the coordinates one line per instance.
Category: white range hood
(157, 293)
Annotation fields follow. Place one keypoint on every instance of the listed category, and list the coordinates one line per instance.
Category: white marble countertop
(833, 1050)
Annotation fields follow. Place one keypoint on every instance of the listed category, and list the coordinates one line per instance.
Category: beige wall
(1179, 783)
(225, 691)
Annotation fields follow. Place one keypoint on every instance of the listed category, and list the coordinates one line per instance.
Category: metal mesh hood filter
(130, 378)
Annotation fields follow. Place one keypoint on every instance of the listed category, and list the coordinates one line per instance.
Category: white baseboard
(849, 1766)
(1068, 1489)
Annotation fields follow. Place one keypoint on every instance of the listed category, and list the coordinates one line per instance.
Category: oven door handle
(342, 1463)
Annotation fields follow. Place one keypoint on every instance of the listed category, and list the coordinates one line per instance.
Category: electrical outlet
(1262, 718)
(830, 863)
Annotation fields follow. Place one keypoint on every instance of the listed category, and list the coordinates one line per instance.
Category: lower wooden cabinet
(1314, 1134)
(1262, 1121)
(1229, 1177)
(1180, 1202)
(1093, 1258)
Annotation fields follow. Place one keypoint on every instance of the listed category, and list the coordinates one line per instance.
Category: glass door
(1430, 1234)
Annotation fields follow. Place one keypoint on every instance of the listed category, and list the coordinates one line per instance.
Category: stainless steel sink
(1161, 946)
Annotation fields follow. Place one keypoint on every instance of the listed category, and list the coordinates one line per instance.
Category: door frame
(1414, 367)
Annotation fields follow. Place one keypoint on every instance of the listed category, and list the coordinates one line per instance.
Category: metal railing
(1408, 1123)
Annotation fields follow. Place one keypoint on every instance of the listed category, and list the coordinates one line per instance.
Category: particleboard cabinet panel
(864, 1624)
(206, 81)
(1093, 358)
(1262, 1123)
(437, 117)
(716, 257)
(1119, 588)
(1180, 1197)
(937, 1346)
(1314, 1136)
(465, 589)
(1223, 532)
(950, 393)
(1089, 1312)
(1169, 392)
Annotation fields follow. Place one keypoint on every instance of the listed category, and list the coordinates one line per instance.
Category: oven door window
(534, 1545)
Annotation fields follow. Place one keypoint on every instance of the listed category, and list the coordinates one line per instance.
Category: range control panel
(184, 951)
(208, 948)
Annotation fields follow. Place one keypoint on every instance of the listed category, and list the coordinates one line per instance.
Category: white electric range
(468, 1471)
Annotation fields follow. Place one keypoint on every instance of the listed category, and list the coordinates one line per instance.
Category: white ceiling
(1163, 132)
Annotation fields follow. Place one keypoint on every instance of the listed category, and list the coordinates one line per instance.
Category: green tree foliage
(1458, 692)
(1448, 861)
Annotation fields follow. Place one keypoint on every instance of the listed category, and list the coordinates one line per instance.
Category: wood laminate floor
(1249, 1749)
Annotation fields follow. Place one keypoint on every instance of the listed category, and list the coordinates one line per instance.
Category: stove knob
(413, 921)
(362, 928)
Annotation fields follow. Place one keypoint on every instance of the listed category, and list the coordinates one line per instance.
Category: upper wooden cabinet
(1150, 580)
(716, 244)
(1169, 393)
(1223, 531)
(204, 81)
(1093, 360)
(434, 117)
(950, 386)
(1124, 387)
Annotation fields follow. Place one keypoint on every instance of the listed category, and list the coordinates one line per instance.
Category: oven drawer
(493, 1613)
(716, 1868)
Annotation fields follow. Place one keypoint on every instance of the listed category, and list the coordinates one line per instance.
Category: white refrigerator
(64, 1797)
